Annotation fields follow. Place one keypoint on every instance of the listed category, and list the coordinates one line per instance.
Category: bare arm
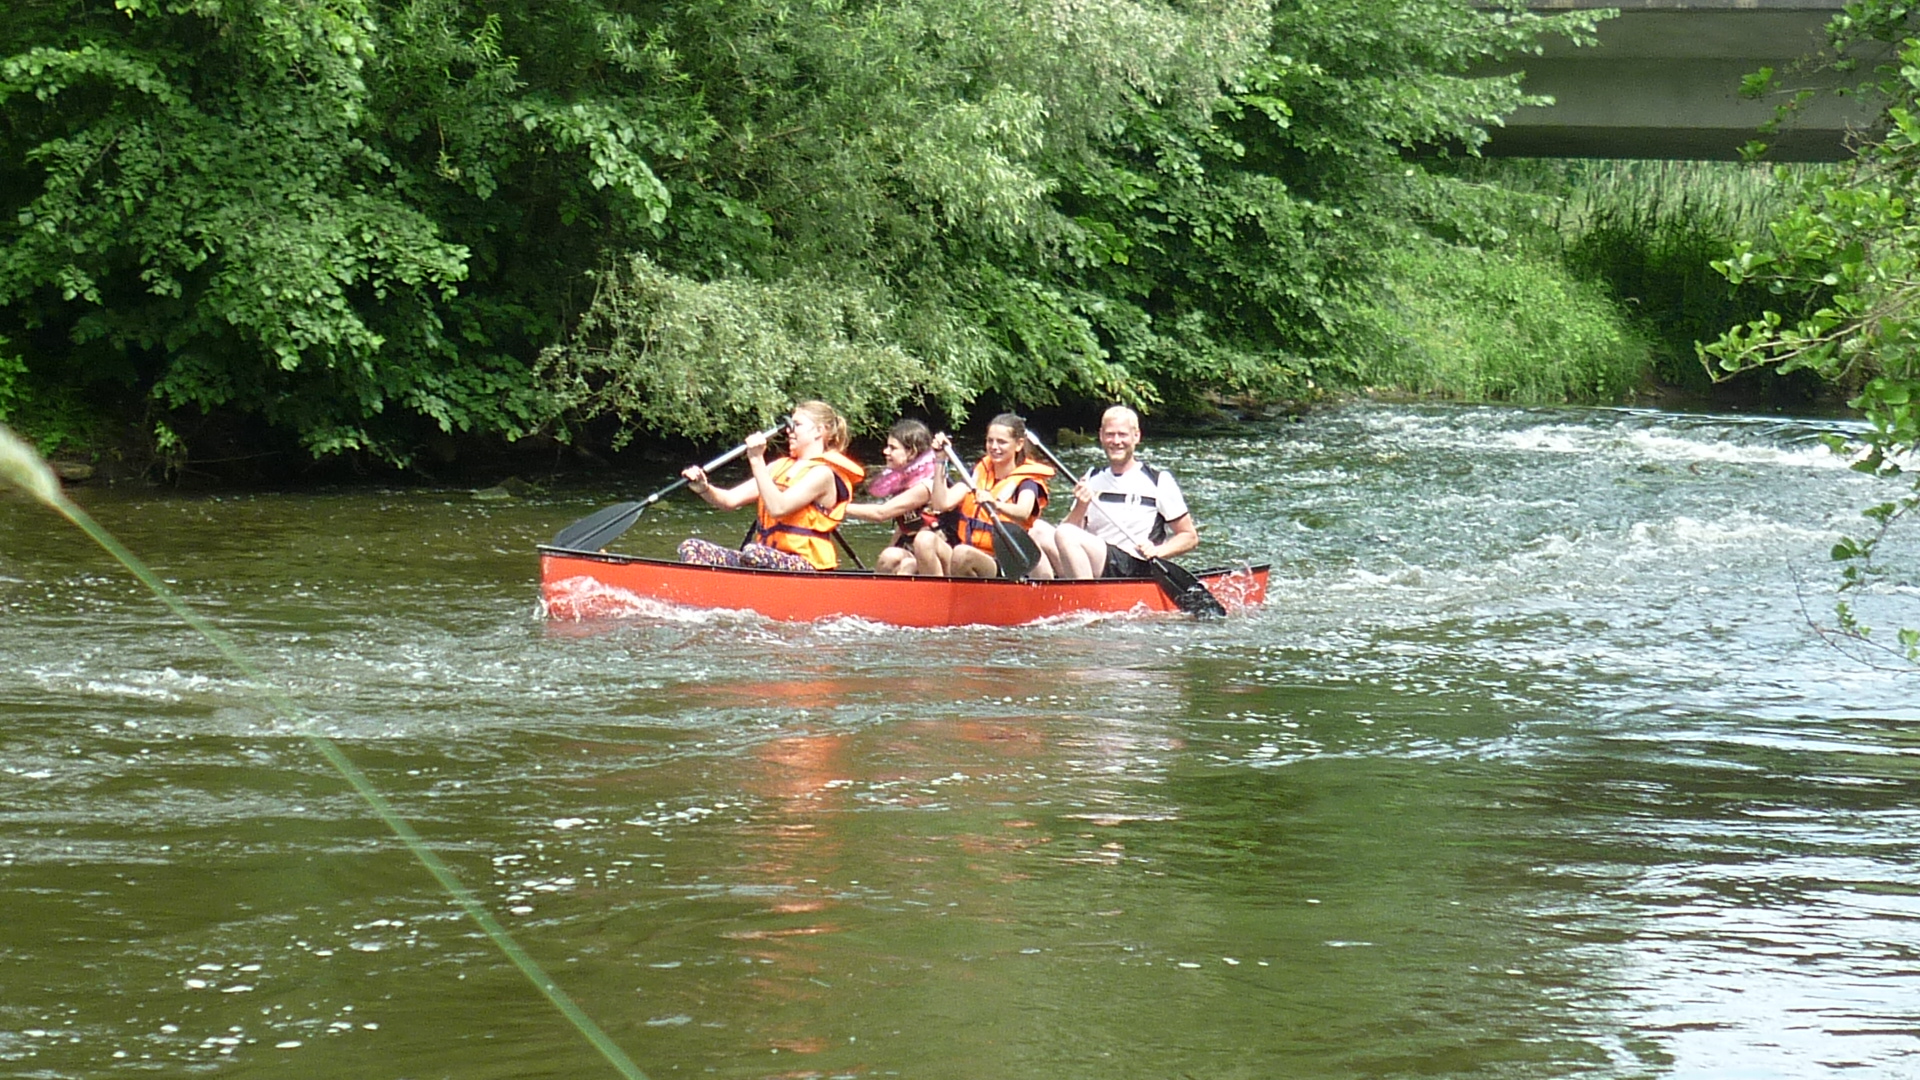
(1082, 498)
(1182, 537)
(1021, 507)
(944, 497)
(893, 509)
(740, 494)
(732, 498)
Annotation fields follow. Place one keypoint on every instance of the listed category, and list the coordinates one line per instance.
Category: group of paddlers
(1125, 513)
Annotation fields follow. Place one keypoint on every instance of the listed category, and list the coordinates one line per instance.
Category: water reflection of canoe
(578, 585)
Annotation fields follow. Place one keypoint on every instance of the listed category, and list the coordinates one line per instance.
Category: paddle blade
(597, 530)
(1185, 590)
(1014, 550)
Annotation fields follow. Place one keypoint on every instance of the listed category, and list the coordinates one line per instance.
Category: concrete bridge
(1664, 83)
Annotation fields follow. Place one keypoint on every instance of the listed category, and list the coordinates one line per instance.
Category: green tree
(193, 211)
(1051, 202)
(267, 208)
(900, 160)
(1240, 251)
(355, 223)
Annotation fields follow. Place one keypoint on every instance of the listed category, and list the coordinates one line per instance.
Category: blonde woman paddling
(801, 498)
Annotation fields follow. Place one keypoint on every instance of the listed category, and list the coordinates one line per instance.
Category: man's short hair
(1121, 412)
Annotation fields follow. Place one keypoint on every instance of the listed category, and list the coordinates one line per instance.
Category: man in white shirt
(1124, 514)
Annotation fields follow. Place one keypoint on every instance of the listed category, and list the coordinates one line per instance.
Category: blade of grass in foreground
(24, 468)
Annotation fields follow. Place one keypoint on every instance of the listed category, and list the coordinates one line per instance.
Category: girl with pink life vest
(904, 487)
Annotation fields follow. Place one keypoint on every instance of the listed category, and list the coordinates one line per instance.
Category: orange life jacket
(975, 526)
(808, 531)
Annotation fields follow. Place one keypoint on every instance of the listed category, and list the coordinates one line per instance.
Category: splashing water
(25, 469)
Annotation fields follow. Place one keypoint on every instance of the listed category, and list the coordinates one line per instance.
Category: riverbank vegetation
(1648, 231)
(370, 229)
(1843, 270)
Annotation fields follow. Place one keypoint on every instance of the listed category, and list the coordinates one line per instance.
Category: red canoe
(577, 585)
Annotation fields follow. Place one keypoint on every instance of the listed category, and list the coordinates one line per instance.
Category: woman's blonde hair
(833, 429)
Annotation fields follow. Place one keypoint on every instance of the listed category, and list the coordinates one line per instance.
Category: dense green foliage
(1618, 252)
(1465, 321)
(1844, 265)
(204, 223)
(351, 224)
(646, 349)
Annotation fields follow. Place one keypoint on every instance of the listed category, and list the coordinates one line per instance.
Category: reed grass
(1650, 230)
(1640, 236)
(1466, 322)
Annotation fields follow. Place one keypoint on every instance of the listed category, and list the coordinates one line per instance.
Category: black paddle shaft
(1186, 591)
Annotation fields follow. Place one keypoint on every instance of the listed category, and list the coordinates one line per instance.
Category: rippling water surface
(1530, 768)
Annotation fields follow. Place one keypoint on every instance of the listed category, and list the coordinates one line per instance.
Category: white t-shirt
(1139, 501)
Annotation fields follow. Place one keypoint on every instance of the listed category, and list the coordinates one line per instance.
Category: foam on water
(1668, 446)
(583, 599)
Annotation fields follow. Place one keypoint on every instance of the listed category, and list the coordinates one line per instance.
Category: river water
(1532, 767)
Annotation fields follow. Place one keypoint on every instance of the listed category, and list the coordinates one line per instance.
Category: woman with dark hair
(802, 497)
(904, 487)
(1005, 482)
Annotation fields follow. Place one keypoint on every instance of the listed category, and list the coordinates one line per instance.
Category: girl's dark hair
(1018, 425)
(913, 435)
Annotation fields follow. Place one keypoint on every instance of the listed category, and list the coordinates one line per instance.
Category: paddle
(598, 529)
(1013, 549)
(848, 548)
(1181, 587)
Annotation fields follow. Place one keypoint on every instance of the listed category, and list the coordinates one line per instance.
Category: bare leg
(970, 561)
(1048, 568)
(930, 552)
(894, 560)
(1082, 554)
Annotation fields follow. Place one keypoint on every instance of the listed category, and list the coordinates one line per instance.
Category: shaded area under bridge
(1664, 82)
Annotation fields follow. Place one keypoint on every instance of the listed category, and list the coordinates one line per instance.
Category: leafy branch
(1847, 256)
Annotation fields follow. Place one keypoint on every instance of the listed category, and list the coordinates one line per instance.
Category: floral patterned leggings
(757, 556)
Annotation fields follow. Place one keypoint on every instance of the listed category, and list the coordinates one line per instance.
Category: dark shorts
(947, 524)
(1121, 564)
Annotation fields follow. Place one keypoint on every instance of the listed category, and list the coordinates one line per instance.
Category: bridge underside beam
(1665, 84)
(1691, 144)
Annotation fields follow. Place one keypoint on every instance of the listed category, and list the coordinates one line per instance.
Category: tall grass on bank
(1507, 324)
(1650, 230)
